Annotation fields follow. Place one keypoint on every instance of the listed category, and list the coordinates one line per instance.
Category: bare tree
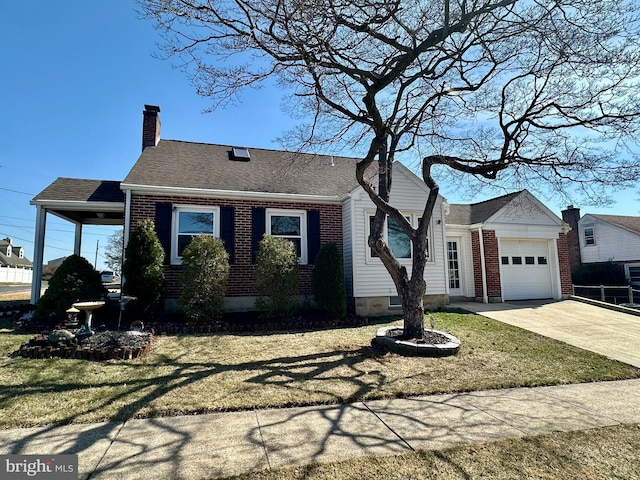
(507, 92)
(114, 250)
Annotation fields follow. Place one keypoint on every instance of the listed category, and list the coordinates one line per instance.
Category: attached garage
(525, 269)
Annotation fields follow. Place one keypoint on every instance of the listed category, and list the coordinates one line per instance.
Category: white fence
(15, 275)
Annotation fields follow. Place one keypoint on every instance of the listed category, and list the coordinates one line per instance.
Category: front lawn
(188, 374)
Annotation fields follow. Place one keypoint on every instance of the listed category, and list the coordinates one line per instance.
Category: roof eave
(79, 205)
(230, 194)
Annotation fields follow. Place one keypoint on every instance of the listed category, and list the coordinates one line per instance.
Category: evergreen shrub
(75, 280)
(328, 281)
(204, 278)
(277, 276)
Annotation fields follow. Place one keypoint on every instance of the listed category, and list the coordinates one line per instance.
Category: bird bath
(88, 307)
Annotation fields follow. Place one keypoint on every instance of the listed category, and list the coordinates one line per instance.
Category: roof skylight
(241, 153)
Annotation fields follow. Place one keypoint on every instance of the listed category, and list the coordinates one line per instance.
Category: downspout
(126, 230)
(483, 267)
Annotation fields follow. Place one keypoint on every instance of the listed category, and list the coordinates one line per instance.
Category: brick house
(239, 194)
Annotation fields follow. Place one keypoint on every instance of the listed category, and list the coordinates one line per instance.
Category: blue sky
(76, 76)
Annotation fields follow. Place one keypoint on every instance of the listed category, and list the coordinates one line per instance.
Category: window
(530, 260)
(634, 275)
(394, 302)
(589, 237)
(398, 241)
(516, 260)
(542, 260)
(189, 221)
(290, 225)
(505, 260)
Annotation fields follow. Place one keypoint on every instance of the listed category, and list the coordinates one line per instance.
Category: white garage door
(525, 269)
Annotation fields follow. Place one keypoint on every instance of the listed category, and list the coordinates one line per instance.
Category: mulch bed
(109, 345)
(248, 322)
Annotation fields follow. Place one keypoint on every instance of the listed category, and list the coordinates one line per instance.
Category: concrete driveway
(607, 332)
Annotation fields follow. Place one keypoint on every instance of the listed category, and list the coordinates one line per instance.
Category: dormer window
(8, 250)
(21, 253)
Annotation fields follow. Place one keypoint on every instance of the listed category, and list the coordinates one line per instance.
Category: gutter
(231, 194)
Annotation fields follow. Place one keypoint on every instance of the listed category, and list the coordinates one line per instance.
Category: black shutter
(258, 229)
(227, 234)
(313, 235)
(163, 228)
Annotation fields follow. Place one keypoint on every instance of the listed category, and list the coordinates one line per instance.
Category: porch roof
(84, 201)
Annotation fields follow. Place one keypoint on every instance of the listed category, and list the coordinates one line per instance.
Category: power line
(16, 191)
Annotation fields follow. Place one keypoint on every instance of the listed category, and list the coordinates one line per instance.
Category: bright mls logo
(46, 467)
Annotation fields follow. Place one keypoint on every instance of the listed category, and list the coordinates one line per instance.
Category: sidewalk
(206, 446)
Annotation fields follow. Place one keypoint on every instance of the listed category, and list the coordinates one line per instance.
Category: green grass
(196, 374)
(603, 453)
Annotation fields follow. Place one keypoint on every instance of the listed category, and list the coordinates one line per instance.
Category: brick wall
(564, 260)
(492, 264)
(242, 274)
(477, 266)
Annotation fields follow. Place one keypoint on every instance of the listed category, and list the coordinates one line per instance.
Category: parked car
(107, 276)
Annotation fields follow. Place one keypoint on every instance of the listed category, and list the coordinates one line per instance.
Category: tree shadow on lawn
(234, 442)
(88, 440)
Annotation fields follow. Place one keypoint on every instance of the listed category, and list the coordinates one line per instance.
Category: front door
(454, 267)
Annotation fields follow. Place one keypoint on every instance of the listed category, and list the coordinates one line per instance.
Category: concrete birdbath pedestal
(89, 307)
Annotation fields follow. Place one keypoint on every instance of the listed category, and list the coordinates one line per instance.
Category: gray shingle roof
(632, 224)
(82, 190)
(462, 214)
(178, 164)
(14, 260)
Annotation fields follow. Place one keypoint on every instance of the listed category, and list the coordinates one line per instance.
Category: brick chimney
(150, 126)
(571, 216)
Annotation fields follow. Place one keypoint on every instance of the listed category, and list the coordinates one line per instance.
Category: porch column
(77, 241)
(38, 253)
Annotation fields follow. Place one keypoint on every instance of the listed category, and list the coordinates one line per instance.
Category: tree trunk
(413, 309)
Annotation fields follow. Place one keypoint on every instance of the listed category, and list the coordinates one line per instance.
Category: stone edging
(32, 350)
(415, 349)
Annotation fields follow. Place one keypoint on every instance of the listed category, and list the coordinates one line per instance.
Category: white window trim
(175, 259)
(413, 220)
(593, 235)
(302, 214)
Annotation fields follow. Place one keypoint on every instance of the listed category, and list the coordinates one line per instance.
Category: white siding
(612, 242)
(370, 277)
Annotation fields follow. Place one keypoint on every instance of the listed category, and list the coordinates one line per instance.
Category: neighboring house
(606, 238)
(240, 194)
(14, 266)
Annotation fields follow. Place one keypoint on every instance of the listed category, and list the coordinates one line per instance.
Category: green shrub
(328, 281)
(607, 273)
(142, 269)
(204, 277)
(74, 281)
(276, 276)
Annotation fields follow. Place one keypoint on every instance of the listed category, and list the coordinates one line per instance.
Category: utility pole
(96, 262)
